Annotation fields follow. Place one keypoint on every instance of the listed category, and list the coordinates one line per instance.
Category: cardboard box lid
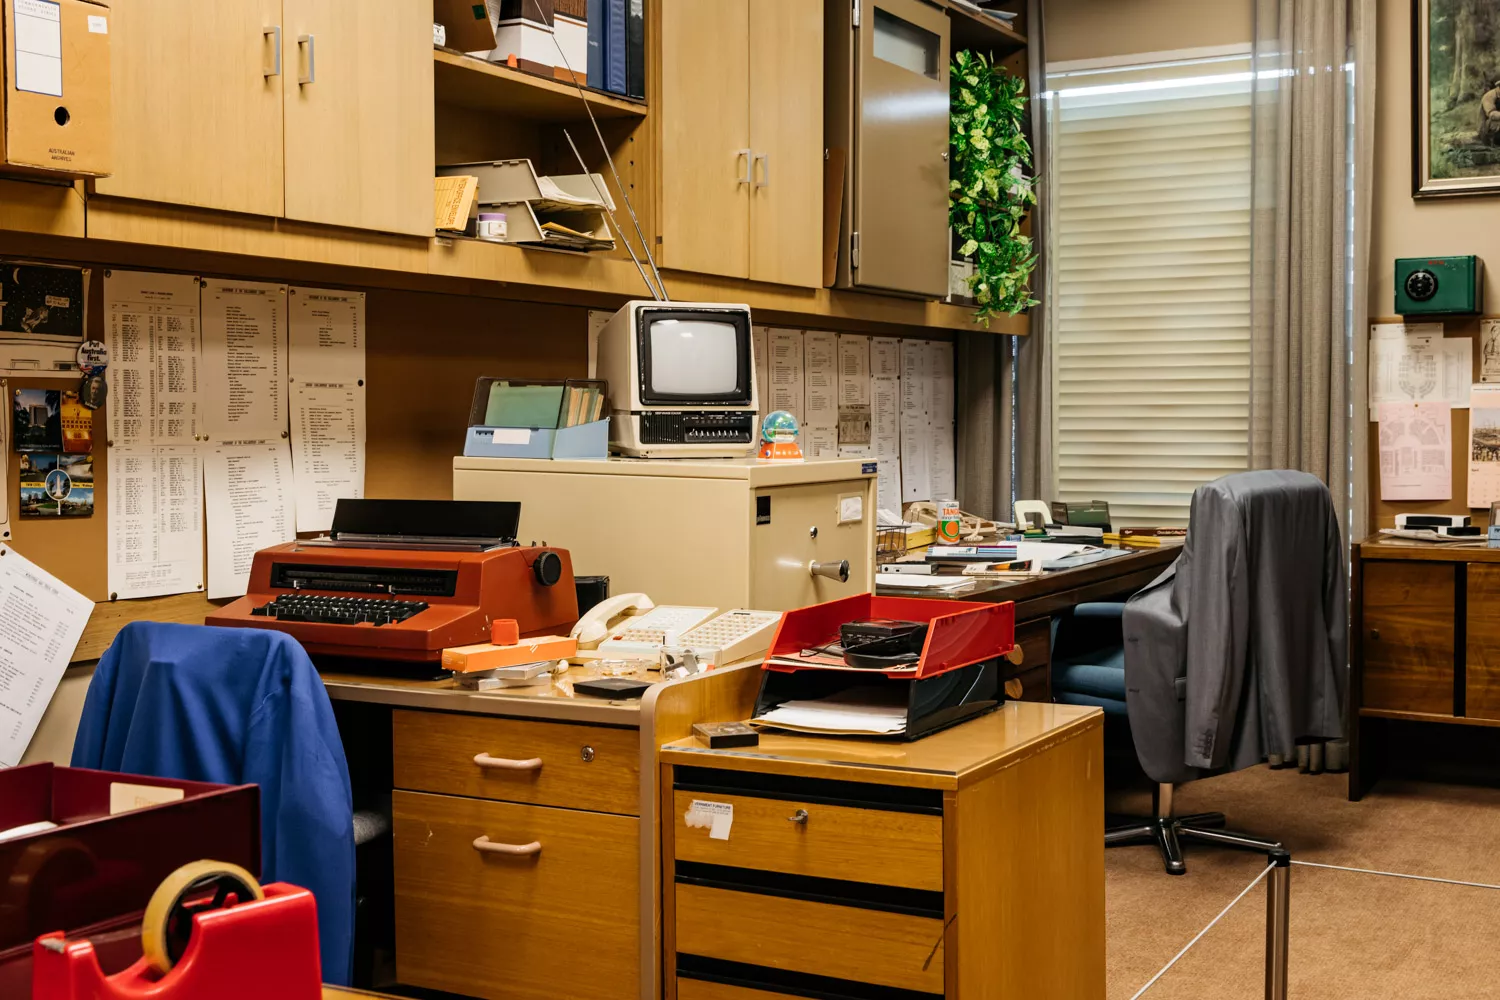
(467, 22)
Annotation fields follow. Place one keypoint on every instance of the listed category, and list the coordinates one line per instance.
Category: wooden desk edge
(1378, 547)
(688, 754)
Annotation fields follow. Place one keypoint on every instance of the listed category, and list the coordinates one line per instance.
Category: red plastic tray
(960, 632)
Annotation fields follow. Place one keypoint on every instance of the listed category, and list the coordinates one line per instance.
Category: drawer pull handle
(487, 846)
(800, 816)
(506, 763)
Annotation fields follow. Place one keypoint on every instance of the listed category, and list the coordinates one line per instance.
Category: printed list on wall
(237, 411)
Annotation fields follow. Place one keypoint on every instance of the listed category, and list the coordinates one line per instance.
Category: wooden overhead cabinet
(742, 139)
(306, 109)
(197, 104)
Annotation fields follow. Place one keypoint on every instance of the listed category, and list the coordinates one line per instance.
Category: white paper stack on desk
(860, 711)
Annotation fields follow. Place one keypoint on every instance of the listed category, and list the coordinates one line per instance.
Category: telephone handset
(593, 627)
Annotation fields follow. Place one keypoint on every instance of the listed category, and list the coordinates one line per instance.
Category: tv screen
(694, 357)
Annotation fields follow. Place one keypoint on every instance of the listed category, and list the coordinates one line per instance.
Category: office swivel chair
(1236, 652)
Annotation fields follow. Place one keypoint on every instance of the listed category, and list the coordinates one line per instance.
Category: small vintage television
(681, 380)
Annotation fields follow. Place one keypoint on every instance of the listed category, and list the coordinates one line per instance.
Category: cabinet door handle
(506, 763)
(485, 845)
(312, 59)
(274, 34)
(749, 155)
(765, 170)
(1375, 634)
(800, 816)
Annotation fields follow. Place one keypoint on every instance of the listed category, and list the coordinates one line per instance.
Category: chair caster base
(1167, 833)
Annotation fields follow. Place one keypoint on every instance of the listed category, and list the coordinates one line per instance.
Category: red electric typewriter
(402, 579)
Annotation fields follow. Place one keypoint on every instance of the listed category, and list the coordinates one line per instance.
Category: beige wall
(1095, 29)
(1401, 226)
(53, 740)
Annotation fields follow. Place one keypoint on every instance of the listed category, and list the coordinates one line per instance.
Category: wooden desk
(1424, 643)
(966, 864)
(1038, 599)
(570, 782)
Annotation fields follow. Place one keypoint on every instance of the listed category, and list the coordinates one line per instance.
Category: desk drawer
(562, 922)
(545, 763)
(875, 846)
(820, 939)
(698, 989)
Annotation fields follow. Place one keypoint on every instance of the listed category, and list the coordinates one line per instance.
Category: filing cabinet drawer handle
(800, 816)
(485, 845)
(507, 764)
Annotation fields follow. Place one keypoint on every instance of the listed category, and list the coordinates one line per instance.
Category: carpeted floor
(1352, 936)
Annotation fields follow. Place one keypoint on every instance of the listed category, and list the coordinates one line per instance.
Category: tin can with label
(949, 521)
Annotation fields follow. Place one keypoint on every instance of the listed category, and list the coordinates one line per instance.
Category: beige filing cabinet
(732, 534)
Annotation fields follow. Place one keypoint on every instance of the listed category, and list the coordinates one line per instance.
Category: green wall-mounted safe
(1439, 286)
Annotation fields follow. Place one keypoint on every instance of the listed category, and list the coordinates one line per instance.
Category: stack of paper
(909, 581)
(861, 711)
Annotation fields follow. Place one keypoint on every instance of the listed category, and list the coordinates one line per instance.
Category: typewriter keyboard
(338, 610)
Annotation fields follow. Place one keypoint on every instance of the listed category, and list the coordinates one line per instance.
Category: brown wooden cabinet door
(359, 114)
(786, 134)
(197, 104)
(1482, 643)
(705, 137)
(1408, 636)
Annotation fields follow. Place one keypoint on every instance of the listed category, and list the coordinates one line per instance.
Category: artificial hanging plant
(989, 186)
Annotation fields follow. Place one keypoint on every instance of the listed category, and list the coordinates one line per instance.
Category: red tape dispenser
(210, 932)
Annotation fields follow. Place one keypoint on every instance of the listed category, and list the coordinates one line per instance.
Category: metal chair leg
(1165, 831)
(1129, 834)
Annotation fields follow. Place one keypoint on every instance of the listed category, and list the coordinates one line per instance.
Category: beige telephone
(594, 627)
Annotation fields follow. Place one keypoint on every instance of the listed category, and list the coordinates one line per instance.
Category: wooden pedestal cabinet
(1425, 643)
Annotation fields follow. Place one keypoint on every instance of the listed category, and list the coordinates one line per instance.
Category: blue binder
(595, 15)
(614, 46)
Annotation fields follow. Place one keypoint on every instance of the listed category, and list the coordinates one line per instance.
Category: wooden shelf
(975, 31)
(468, 82)
(123, 233)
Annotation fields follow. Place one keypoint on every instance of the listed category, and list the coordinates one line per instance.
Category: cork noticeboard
(1383, 512)
(424, 352)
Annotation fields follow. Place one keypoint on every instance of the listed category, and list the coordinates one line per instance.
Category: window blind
(1150, 283)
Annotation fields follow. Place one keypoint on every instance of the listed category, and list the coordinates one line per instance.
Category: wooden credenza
(967, 864)
(1424, 645)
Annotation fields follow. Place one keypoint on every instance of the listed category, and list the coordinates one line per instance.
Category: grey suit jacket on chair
(1239, 649)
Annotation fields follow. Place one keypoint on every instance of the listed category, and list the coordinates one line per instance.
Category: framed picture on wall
(1455, 98)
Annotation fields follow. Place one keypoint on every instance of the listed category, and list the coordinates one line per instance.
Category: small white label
(439, 34)
(511, 435)
(98, 24)
(851, 509)
(38, 46)
(717, 817)
(124, 796)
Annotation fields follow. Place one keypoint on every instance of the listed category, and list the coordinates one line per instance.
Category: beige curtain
(1314, 94)
(1003, 384)
(1306, 401)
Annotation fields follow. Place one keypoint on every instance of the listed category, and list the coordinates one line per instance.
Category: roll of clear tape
(168, 923)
